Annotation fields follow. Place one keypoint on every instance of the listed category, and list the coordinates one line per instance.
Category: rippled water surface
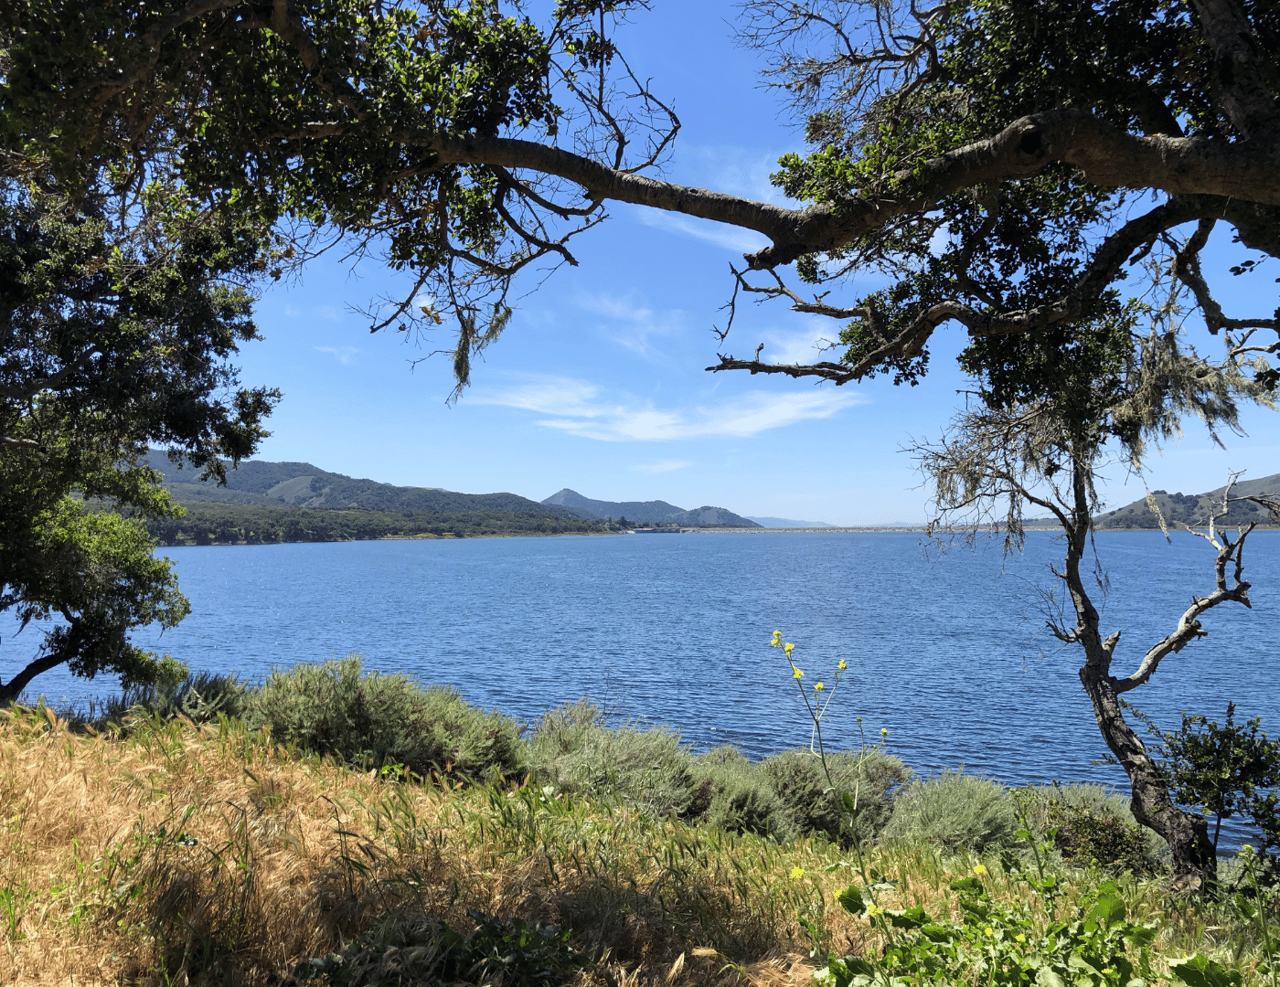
(949, 653)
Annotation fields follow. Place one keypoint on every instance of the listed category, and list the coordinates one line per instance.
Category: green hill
(1195, 510)
(266, 484)
(270, 503)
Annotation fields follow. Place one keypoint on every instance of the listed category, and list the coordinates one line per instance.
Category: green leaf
(937, 933)
(1200, 971)
(1046, 976)
(1106, 912)
(910, 918)
(851, 899)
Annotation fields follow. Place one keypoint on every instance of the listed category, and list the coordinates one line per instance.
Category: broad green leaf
(1201, 971)
(851, 899)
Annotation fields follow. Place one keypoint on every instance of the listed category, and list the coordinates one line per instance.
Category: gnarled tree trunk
(1194, 858)
(1195, 861)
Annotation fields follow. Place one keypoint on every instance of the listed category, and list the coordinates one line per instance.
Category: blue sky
(598, 383)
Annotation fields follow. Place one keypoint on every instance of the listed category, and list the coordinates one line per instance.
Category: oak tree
(1047, 147)
(119, 319)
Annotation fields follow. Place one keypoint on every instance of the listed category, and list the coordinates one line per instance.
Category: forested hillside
(303, 485)
(235, 524)
(268, 503)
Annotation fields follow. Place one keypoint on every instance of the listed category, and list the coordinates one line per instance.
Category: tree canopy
(1009, 164)
(119, 315)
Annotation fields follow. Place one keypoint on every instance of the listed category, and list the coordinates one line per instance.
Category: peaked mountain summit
(647, 512)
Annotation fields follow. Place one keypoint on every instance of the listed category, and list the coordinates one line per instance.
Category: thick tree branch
(1240, 87)
(30, 388)
(1105, 155)
(10, 691)
(1189, 628)
(1235, 589)
(142, 71)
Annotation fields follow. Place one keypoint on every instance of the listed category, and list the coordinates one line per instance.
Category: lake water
(948, 652)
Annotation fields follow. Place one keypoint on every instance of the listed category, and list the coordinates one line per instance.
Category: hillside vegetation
(1194, 510)
(230, 524)
(268, 503)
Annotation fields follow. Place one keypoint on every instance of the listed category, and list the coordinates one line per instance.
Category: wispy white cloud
(666, 466)
(734, 170)
(731, 238)
(578, 408)
(292, 311)
(798, 346)
(632, 323)
(343, 354)
(329, 313)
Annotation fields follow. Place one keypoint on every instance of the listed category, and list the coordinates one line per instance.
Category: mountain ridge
(647, 512)
(260, 483)
(291, 485)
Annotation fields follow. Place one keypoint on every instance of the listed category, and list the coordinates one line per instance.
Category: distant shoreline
(921, 529)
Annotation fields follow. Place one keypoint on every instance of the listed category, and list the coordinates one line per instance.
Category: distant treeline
(234, 524)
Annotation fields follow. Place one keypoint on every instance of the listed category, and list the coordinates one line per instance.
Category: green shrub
(565, 729)
(810, 805)
(199, 696)
(957, 812)
(647, 766)
(1228, 771)
(379, 720)
(1094, 826)
(733, 794)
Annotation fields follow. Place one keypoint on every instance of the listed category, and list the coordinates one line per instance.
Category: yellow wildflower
(842, 666)
(1020, 938)
(788, 648)
(884, 731)
(777, 638)
(873, 910)
(989, 931)
(979, 869)
(795, 672)
(797, 873)
(819, 687)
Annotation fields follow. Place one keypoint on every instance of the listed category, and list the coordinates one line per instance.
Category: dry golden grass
(185, 854)
(180, 854)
